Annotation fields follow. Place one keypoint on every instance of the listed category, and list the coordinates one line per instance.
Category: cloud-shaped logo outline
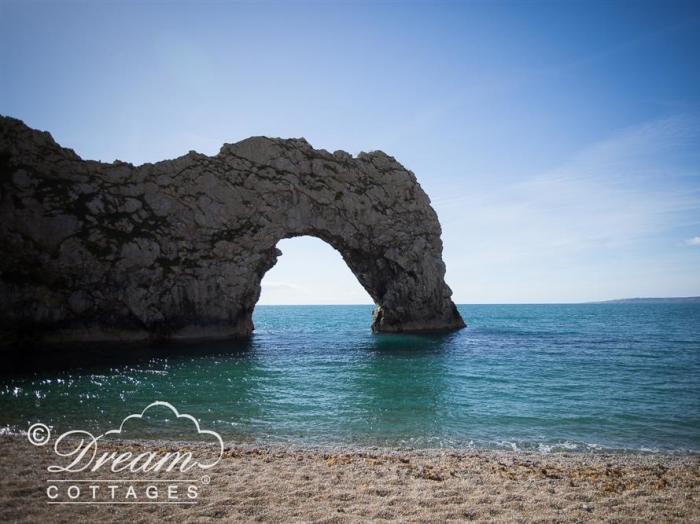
(178, 415)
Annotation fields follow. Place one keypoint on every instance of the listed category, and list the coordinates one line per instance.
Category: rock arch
(178, 248)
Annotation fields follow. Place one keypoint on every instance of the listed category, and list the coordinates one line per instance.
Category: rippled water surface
(621, 376)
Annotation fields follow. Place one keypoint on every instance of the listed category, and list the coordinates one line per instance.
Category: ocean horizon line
(603, 301)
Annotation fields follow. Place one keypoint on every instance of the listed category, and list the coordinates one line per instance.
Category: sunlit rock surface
(177, 249)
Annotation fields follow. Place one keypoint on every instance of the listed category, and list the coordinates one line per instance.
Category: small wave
(10, 431)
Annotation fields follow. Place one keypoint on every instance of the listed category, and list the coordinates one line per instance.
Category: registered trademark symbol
(206, 479)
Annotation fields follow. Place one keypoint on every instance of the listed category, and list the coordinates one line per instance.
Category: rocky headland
(177, 249)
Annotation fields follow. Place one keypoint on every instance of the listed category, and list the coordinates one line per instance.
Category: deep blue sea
(545, 377)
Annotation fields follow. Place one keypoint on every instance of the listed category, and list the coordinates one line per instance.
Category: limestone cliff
(95, 251)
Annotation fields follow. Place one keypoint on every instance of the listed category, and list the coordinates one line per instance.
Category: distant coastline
(651, 300)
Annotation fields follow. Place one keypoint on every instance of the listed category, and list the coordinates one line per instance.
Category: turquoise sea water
(580, 377)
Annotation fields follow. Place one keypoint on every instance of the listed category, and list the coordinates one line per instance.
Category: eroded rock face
(94, 251)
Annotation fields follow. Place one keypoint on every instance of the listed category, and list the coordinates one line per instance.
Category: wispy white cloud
(277, 292)
(695, 241)
(612, 192)
(282, 286)
(614, 196)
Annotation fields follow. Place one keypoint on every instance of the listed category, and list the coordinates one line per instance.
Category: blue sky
(559, 142)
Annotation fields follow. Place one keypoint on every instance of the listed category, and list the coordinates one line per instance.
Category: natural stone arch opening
(178, 248)
(372, 211)
(310, 272)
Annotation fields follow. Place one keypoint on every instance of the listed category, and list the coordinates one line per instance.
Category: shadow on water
(106, 355)
(400, 343)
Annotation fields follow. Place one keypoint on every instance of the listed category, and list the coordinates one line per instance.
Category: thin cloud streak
(601, 195)
(611, 198)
